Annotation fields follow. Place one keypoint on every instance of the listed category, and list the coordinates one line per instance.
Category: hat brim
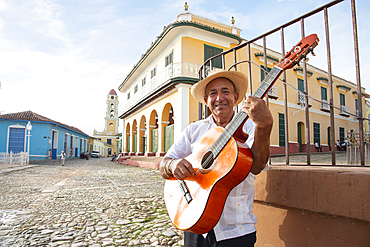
(239, 80)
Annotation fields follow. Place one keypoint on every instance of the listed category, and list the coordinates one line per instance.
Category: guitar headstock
(298, 52)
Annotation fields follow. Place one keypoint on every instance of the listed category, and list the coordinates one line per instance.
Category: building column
(182, 111)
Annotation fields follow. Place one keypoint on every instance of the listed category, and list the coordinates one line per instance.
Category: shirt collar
(210, 119)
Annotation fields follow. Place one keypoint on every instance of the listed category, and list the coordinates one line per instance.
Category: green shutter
(299, 136)
(135, 143)
(281, 130)
(263, 72)
(341, 134)
(210, 51)
(301, 85)
(342, 99)
(155, 140)
(316, 133)
(168, 137)
(324, 94)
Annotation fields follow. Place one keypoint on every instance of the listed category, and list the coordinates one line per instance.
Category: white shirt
(237, 218)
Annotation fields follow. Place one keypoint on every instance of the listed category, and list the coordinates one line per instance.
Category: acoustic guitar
(196, 203)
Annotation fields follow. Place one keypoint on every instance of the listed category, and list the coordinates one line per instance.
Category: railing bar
(249, 69)
(330, 81)
(307, 113)
(286, 119)
(234, 51)
(358, 79)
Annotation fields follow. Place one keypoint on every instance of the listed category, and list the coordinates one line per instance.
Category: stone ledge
(337, 191)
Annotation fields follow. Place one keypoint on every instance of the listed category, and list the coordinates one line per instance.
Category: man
(62, 157)
(221, 91)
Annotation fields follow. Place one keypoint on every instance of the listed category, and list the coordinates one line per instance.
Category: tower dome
(112, 92)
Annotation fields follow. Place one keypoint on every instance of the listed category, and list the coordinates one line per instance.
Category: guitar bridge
(185, 191)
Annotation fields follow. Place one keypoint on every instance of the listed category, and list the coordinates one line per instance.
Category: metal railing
(344, 111)
(301, 21)
(325, 105)
(14, 158)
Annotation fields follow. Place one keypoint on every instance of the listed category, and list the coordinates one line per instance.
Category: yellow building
(367, 115)
(111, 134)
(158, 105)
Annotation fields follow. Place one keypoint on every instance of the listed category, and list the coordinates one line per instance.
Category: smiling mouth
(220, 105)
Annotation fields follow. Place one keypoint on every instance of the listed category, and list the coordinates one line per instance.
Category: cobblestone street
(92, 202)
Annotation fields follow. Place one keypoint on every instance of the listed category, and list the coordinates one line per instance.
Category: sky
(60, 58)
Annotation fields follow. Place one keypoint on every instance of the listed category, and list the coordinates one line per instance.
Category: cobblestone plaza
(92, 202)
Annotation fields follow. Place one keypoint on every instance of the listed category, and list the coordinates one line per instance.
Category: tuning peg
(313, 54)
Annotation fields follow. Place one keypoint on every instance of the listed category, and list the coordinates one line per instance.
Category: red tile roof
(34, 117)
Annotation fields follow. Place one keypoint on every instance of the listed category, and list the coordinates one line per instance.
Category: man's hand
(179, 168)
(260, 114)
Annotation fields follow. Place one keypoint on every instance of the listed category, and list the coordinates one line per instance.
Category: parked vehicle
(95, 154)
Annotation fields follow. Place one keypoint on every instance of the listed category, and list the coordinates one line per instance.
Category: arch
(153, 132)
(134, 137)
(167, 126)
(128, 139)
(142, 135)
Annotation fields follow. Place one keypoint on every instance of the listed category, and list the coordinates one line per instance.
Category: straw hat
(239, 79)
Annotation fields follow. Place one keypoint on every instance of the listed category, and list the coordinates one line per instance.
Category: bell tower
(111, 116)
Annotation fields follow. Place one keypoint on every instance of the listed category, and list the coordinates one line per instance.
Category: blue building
(45, 134)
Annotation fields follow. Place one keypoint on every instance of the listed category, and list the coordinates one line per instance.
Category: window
(135, 88)
(16, 140)
(324, 93)
(341, 135)
(301, 85)
(356, 104)
(128, 95)
(112, 105)
(342, 99)
(153, 72)
(143, 81)
(169, 59)
(109, 141)
(71, 145)
(281, 130)
(66, 144)
(210, 51)
(316, 133)
(263, 72)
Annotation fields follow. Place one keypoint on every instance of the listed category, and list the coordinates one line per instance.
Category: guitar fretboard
(241, 117)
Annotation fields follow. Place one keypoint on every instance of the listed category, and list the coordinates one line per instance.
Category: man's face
(221, 97)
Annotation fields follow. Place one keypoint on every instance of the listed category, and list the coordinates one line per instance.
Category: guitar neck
(241, 117)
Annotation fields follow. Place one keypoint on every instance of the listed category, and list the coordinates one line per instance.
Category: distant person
(318, 147)
(339, 146)
(49, 154)
(62, 157)
(87, 155)
(114, 156)
(119, 156)
(344, 144)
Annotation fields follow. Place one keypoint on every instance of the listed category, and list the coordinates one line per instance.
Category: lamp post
(29, 128)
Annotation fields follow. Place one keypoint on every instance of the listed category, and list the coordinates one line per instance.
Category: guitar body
(210, 187)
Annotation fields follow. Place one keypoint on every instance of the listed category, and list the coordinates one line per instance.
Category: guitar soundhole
(207, 160)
